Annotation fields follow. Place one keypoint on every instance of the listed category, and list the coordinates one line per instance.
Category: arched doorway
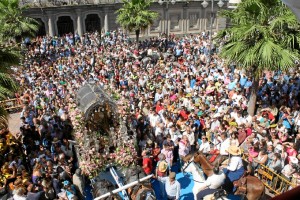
(92, 23)
(65, 25)
(42, 28)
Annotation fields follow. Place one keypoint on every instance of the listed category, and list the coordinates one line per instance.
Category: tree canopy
(136, 16)
(14, 24)
(264, 35)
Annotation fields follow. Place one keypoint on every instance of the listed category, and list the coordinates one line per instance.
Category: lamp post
(205, 4)
(161, 2)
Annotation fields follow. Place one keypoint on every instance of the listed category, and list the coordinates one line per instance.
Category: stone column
(106, 27)
(185, 19)
(51, 26)
(44, 20)
(79, 30)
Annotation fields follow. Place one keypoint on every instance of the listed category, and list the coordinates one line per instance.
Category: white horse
(198, 178)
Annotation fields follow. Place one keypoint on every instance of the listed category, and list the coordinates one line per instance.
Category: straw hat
(217, 115)
(162, 166)
(55, 140)
(149, 142)
(183, 128)
(233, 124)
(234, 150)
(188, 95)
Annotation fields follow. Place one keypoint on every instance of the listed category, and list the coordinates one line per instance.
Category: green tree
(136, 16)
(264, 35)
(13, 24)
(8, 57)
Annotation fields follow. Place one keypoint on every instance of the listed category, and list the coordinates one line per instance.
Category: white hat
(269, 143)
(279, 147)
(216, 115)
(294, 160)
(255, 140)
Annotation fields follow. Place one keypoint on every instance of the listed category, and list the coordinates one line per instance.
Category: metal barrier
(274, 182)
(11, 104)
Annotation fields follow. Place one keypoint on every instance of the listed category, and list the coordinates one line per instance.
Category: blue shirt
(193, 82)
(248, 84)
(178, 52)
(231, 85)
(243, 81)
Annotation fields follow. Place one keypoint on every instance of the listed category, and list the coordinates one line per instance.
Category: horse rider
(212, 183)
(235, 169)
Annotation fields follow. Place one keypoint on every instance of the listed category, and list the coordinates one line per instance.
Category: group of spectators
(175, 92)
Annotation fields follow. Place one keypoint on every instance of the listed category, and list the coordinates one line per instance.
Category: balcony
(58, 3)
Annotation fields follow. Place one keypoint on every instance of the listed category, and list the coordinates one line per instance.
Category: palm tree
(136, 16)
(8, 57)
(13, 24)
(264, 35)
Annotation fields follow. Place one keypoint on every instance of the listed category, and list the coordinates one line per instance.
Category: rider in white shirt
(212, 183)
(205, 146)
(235, 168)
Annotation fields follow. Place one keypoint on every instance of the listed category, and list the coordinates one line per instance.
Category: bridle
(183, 170)
(189, 162)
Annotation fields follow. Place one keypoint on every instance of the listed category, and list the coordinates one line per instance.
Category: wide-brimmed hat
(233, 124)
(149, 142)
(183, 128)
(234, 150)
(188, 95)
(217, 115)
(55, 140)
(162, 166)
(294, 160)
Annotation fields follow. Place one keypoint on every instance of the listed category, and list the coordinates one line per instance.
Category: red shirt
(184, 114)
(147, 161)
(248, 131)
(158, 108)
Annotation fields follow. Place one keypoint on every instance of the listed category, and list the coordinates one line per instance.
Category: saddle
(241, 184)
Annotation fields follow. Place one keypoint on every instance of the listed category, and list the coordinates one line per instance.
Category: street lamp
(205, 4)
(161, 2)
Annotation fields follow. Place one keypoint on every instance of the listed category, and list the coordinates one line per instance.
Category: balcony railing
(56, 3)
(11, 105)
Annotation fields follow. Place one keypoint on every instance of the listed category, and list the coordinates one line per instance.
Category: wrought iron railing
(11, 104)
(275, 182)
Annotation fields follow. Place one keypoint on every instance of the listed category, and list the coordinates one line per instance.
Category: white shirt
(153, 119)
(235, 163)
(288, 170)
(215, 181)
(214, 125)
(172, 190)
(205, 147)
(224, 146)
(191, 137)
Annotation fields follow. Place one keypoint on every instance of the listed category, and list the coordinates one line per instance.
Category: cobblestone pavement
(14, 122)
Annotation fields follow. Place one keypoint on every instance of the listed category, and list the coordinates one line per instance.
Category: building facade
(81, 16)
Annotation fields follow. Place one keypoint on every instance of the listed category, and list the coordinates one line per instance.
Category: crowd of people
(176, 92)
